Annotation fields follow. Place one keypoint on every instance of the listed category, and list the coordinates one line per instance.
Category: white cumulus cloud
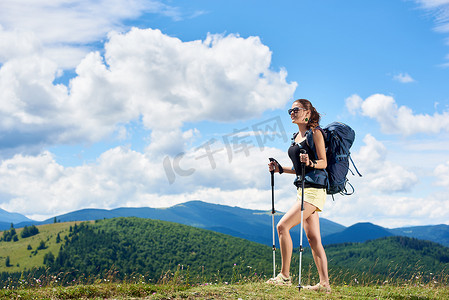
(394, 119)
(441, 173)
(145, 75)
(388, 194)
(39, 186)
(380, 174)
(66, 27)
(353, 104)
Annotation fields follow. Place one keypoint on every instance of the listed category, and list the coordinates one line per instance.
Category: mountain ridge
(357, 233)
(253, 225)
(12, 217)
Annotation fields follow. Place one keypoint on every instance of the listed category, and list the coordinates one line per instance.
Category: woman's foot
(280, 280)
(319, 288)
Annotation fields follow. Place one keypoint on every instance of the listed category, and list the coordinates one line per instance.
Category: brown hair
(314, 120)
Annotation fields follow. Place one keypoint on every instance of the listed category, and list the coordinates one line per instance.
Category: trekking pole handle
(272, 172)
(303, 164)
(272, 188)
(302, 151)
(281, 169)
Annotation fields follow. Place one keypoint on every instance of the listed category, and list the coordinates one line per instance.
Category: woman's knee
(282, 228)
(314, 240)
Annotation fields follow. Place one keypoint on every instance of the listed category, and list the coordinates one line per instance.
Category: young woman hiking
(305, 116)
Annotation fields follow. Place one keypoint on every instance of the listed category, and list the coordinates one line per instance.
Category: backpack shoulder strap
(294, 137)
(310, 142)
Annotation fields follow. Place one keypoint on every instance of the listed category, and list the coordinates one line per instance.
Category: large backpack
(338, 138)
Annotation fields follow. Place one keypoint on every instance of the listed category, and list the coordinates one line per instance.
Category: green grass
(248, 290)
(23, 259)
(178, 285)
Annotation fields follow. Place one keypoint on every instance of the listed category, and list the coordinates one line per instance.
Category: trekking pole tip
(299, 288)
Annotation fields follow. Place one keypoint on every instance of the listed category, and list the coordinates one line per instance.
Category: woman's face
(298, 113)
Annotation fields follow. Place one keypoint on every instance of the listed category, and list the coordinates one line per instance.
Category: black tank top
(293, 153)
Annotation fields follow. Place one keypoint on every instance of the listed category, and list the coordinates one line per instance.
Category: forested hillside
(393, 258)
(150, 247)
(131, 246)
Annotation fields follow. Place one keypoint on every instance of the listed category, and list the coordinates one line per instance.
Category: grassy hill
(124, 248)
(23, 253)
(150, 247)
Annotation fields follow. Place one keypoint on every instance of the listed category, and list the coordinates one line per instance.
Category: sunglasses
(295, 110)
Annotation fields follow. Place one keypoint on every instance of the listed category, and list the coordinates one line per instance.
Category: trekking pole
(281, 170)
(303, 172)
(272, 218)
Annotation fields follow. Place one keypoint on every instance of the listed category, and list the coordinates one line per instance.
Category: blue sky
(108, 104)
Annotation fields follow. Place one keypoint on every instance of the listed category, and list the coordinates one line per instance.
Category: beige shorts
(314, 196)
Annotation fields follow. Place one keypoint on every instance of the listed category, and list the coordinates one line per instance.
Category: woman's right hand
(272, 166)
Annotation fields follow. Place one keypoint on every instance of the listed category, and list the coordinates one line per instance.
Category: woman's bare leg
(312, 229)
(287, 222)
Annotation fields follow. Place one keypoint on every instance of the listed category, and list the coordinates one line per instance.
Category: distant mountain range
(357, 233)
(6, 218)
(253, 225)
